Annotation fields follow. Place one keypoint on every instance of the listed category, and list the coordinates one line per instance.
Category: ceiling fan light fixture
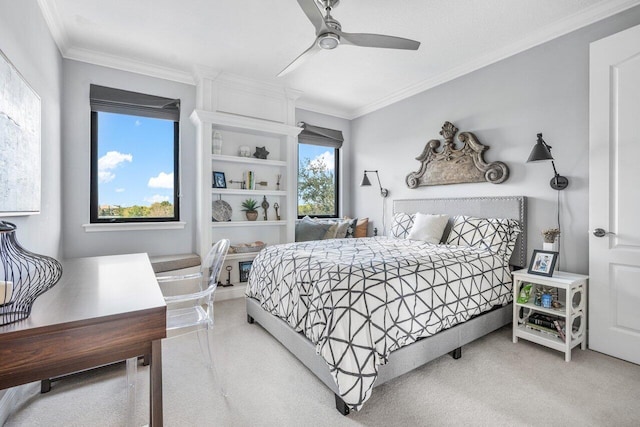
(328, 41)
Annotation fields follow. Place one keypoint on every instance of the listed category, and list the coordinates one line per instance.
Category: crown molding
(593, 14)
(324, 109)
(54, 22)
(128, 64)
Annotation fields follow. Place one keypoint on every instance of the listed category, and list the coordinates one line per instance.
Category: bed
(359, 312)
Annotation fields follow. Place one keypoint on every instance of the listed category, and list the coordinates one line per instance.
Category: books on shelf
(250, 180)
(546, 324)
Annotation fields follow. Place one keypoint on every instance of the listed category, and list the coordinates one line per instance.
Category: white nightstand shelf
(571, 290)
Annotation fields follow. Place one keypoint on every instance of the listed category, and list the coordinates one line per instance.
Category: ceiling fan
(329, 34)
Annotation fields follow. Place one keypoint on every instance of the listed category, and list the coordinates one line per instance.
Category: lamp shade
(540, 151)
(365, 181)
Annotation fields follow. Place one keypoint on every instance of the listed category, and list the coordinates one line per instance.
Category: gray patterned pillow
(401, 225)
(497, 235)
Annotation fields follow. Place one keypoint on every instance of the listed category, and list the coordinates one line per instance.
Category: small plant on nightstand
(249, 207)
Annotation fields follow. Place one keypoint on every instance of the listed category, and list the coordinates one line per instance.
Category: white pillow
(428, 227)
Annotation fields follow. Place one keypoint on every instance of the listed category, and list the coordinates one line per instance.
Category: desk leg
(155, 384)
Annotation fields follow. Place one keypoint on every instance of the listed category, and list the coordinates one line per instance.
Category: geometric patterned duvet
(358, 300)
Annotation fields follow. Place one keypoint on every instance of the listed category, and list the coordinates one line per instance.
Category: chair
(194, 310)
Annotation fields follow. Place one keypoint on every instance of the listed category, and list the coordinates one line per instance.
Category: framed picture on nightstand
(542, 262)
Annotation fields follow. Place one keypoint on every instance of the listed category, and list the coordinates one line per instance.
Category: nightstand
(562, 327)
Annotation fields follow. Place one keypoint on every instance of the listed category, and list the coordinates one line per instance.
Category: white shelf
(280, 223)
(561, 312)
(234, 191)
(247, 160)
(245, 255)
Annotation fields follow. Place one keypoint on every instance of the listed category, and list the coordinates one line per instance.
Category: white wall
(346, 173)
(76, 164)
(26, 41)
(545, 89)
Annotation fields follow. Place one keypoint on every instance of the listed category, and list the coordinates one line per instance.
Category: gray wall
(346, 151)
(545, 89)
(26, 41)
(76, 164)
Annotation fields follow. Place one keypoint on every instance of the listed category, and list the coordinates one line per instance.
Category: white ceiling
(258, 38)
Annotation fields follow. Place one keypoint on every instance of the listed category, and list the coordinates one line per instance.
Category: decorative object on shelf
(244, 151)
(265, 206)
(525, 294)
(542, 262)
(276, 207)
(261, 153)
(219, 180)
(249, 207)
(221, 211)
(455, 165)
(278, 182)
(228, 283)
(549, 237)
(542, 151)
(216, 144)
(20, 121)
(546, 300)
(245, 268)
(235, 181)
(24, 276)
(242, 248)
(366, 183)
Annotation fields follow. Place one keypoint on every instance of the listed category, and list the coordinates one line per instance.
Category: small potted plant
(249, 207)
(549, 237)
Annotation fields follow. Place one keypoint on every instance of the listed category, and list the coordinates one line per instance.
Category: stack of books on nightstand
(546, 324)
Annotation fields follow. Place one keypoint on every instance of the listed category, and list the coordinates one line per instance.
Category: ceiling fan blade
(377, 40)
(313, 13)
(313, 49)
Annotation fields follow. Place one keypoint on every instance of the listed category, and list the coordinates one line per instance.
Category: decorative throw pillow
(308, 229)
(401, 225)
(497, 235)
(362, 226)
(428, 227)
(351, 227)
(342, 228)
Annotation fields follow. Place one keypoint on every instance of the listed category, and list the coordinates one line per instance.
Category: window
(134, 157)
(318, 167)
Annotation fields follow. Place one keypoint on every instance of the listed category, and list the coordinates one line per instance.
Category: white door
(614, 195)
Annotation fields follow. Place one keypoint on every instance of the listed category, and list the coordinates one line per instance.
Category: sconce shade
(365, 181)
(539, 151)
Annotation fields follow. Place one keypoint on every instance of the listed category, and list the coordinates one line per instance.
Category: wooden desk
(103, 310)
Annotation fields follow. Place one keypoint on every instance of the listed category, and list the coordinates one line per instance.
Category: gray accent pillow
(308, 229)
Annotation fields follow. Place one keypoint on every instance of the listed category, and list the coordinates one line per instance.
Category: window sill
(134, 226)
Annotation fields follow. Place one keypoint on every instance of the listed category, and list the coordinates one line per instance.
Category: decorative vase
(216, 145)
(553, 247)
(252, 215)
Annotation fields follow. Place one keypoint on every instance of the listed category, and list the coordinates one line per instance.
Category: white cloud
(156, 198)
(327, 158)
(109, 162)
(119, 190)
(163, 180)
(138, 123)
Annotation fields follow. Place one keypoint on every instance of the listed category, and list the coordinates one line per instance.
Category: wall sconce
(366, 183)
(542, 151)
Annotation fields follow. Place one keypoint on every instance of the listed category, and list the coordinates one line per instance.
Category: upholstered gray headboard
(514, 207)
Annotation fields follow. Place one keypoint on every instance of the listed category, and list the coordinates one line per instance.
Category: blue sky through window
(135, 160)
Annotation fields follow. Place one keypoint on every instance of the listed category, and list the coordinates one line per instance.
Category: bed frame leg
(457, 353)
(341, 406)
(250, 319)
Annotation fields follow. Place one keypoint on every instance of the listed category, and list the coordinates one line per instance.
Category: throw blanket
(358, 300)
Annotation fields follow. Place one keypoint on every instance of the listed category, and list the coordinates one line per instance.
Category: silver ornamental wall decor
(455, 164)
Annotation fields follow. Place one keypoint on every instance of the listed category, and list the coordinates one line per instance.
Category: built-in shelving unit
(253, 114)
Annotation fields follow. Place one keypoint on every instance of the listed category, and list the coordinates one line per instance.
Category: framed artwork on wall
(20, 121)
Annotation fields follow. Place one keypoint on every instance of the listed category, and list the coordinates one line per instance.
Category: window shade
(119, 101)
(316, 135)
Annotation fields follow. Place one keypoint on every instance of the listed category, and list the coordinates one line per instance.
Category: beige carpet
(495, 383)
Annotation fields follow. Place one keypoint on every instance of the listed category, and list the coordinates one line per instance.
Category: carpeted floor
(495, 383)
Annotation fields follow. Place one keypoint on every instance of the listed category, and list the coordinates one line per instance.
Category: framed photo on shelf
(219, 180)
(244, 267)
(542, 262)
